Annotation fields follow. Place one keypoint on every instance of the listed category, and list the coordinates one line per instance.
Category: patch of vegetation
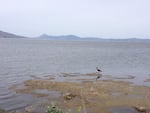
(2, 110)
(54, 109)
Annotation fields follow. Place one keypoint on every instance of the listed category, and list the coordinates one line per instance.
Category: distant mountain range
(67, 37)
(61, 37)
(74, 37)
(9, 35)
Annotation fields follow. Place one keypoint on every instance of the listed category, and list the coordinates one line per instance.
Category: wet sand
(92, 96)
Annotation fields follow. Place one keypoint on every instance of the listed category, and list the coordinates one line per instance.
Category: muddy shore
(92, 96)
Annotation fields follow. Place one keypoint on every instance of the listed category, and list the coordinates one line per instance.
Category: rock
(140, 108)
(69, 96)
(29, 109)
(147, 80)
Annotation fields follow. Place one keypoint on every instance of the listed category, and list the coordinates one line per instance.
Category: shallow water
(21, 59)
(123, 110)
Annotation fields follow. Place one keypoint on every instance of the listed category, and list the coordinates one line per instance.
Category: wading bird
(98, 69)
(99, 75)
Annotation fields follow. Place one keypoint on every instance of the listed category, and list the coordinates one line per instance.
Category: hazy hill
(9, 35)
(61, 37)
(68, 37)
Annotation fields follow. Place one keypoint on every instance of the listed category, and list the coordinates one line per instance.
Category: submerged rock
(69, 96)
(29, 109)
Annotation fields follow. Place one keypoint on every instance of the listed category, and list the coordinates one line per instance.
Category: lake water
(22, 58)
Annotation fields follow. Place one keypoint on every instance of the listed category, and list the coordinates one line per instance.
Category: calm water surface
(22, 58)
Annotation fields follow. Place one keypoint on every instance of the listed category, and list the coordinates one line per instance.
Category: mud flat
(101, 96)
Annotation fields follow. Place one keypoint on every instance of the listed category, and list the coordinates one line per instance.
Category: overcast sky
(96, 18)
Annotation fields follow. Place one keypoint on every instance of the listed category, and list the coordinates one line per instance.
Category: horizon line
(90, 37)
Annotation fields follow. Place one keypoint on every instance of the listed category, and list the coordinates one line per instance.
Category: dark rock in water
(123, 110)
(2, 111)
